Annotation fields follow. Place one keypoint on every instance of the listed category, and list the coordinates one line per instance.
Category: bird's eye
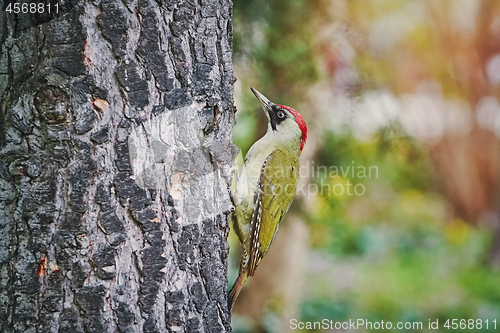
(281, 114)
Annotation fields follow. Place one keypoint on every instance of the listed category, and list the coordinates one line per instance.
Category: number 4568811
(470, 324)
(32, 8)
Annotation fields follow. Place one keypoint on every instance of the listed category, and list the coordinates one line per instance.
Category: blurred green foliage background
(410, 88)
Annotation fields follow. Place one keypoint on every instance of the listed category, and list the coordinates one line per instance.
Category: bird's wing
(274, 195)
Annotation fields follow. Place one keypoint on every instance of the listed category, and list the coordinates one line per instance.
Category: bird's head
(283, 121)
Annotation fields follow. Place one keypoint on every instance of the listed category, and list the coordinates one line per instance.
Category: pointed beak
(266, 103)
(268, 107)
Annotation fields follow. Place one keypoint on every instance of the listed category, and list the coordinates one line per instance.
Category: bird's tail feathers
(235, 290)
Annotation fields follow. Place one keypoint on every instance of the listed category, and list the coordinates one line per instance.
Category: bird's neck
(288, 141)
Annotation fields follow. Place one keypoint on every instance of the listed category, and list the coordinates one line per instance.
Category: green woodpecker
(266, 186)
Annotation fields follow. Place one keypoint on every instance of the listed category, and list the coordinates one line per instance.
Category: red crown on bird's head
(302, 124)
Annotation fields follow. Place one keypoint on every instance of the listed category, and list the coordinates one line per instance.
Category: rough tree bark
(115, 145)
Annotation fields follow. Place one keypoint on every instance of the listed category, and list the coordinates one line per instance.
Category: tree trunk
(115, 145)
